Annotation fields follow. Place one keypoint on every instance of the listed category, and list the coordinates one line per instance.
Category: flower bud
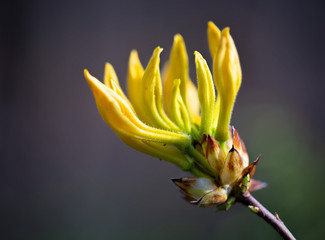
(206, 93)
(214, 35)
(227, 77)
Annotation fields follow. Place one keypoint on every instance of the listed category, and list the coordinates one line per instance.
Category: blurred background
(66, 175)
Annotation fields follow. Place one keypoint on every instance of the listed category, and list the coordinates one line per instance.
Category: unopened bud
(227, 77)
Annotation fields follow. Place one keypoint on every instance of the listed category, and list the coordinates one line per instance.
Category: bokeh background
(66, 175)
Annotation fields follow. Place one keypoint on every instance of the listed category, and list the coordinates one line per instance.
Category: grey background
(66, 175)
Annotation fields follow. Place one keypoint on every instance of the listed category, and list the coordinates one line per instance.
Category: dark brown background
(65, 175)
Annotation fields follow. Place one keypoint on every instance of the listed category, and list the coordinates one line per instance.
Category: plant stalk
(248, 200)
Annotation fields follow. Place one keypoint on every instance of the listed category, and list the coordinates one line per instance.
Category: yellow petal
(216, 111)
(214, 35)
(192, 102)
(111, 81)
(178, 109)
(109, 75)
(206, 93)
(118, 114)
(227, 76)
(152, 94)
(178, 69)
(134, 78)
(159, 150)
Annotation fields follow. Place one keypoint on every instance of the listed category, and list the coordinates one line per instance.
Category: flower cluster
(167, 117)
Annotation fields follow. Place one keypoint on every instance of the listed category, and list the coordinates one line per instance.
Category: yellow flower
(162, 117)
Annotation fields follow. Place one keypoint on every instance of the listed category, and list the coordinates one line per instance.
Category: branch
(248, 200)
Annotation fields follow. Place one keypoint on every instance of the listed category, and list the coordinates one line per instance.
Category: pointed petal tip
(213, 27)
(134, 56)
(134, 52)
(108, 65)
(212, 145)
(226, 31)
(94, 84)
(211, 24)
(198, 56)
(157, 51)
(88, 77)
(251, 168)
(178, 38)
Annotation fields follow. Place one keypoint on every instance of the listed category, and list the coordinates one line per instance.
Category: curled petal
(112, 82)
(206, 93)
(178, 109)
(214, 35)
(227, 76)
(227, 70)
(152, 94)
(233, 167)
(110, 75)
(118, 114)
(134, 78)
(178, 69)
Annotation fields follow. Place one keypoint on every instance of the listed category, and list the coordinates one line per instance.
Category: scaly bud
(215, 155)
(202, 191)
(240, 146)
(233, 167)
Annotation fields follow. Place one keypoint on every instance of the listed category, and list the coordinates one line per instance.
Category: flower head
(167, 117)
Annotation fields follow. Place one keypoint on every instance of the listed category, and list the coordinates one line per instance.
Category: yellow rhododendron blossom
(167, 117)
